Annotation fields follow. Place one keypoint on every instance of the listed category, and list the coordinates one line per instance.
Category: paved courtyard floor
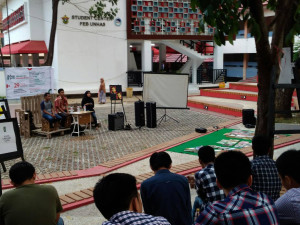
(66, 153)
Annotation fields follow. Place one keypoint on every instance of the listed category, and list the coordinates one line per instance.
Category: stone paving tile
(66, 153)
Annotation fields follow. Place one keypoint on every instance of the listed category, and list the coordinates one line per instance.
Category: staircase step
(220, 105)
(230, 94)
(244, 86)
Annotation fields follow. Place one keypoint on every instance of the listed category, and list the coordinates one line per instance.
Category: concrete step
(229, 94)
(244, 86)
(221, 105)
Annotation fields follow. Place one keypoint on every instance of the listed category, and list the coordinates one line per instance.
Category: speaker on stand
(248, 117)
(151, 114)
(139, 112)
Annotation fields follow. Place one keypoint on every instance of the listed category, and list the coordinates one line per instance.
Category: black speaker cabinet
(151, 114)
(139, 112)
(248, 116)
(116, 121)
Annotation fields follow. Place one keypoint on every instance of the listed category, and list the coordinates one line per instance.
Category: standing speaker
(116, 121)
(151, 114)
(139, 112)
(248, 116)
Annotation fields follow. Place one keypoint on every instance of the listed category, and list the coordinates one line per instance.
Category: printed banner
(7, 138)
(21, 81)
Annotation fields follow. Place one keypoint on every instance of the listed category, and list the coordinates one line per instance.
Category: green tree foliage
(226, 15)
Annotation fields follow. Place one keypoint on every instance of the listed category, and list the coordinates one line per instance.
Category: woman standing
(88, 102)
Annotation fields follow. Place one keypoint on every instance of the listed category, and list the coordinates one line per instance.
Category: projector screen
(167, 90)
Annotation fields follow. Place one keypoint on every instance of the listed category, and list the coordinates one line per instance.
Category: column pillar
(245, 66)
(35, 60)
(25, 60)
(15, 60)
(194, 71)
(218, 57)
(146, 56)
(162, 56)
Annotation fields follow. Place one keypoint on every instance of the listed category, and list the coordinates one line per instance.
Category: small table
(81, 118)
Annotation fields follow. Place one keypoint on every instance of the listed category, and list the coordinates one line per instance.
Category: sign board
(15, 18)
(22, 81)
(10, 141)
(4, 105)
(115, 92)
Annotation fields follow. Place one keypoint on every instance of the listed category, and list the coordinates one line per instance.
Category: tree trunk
(284, 96)
(264, 64)
(49, 59)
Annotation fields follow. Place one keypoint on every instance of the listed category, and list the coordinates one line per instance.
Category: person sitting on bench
(48, 111)
(61, 106)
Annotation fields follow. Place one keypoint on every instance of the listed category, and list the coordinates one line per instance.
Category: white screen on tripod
(167, 90)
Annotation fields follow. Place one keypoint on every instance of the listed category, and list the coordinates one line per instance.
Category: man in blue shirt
(166, 194)
(48, 112)
(242, 205)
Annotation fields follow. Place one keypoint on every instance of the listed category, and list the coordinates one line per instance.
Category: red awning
(26, 47)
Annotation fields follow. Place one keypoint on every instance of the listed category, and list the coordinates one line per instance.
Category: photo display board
(115, 92)
(167, 90)
(10, 141)
(4, 105)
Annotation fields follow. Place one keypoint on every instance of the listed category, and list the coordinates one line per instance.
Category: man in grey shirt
(48, 111)
(288, 205)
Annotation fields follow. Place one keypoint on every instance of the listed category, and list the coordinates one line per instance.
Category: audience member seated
(288, 205)
(118, 200)
(48, 111)
(29, 203)
(264, 171)
(206, 185)
(88, 102)
(242, 205)
(166, 194)
(61, 106)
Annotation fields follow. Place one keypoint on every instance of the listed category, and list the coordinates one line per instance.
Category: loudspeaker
(139, 112)
(116, 121)
(151, 114)
(248, 116)
(201, 130)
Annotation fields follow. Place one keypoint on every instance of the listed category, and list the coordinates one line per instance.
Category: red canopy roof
(26, 47)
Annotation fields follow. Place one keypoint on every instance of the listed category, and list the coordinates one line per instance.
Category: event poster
(7, 138)
(22, 81)
(2, 116)
(115, 92)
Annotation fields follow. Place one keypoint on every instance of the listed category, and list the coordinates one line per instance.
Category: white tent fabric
(167, 90)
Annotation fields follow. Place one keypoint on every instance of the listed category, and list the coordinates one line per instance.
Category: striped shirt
(133, 218)
(241, 206)
(265, 176)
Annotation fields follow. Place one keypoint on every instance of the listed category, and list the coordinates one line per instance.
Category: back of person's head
(114, 193)
(206, 154)
(60, 90)
(160, 160)
(47, 93)
(20, 172)
(232, 168)
(261, 145)
(288, 164)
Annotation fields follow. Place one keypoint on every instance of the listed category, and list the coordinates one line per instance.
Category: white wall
(19, 32)
(84, 54)
(36, 20)
(2, 83)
